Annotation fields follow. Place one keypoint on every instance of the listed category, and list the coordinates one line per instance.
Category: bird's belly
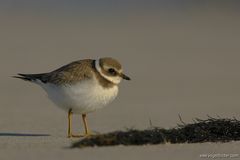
(83, 97)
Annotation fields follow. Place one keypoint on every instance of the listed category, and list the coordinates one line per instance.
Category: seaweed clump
(210, 130)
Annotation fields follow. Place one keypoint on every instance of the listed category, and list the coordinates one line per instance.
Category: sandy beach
(182, 61)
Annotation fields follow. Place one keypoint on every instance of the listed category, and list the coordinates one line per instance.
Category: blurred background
(183, 58)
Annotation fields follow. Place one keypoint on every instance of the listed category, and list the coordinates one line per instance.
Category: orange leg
(87, 132)
(70, 125)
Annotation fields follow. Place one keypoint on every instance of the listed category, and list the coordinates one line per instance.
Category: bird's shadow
(7, 134)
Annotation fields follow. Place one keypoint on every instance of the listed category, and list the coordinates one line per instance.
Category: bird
(81, 87)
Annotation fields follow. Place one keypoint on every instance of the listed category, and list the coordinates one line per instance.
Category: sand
(183, 61)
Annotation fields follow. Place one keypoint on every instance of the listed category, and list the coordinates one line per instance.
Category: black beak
(125, 77)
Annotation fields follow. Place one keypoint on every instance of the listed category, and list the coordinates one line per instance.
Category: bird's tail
(30, 77)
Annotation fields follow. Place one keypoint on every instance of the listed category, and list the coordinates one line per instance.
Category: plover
(81, 87)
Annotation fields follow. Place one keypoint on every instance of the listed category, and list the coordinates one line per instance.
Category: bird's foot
(76, 135)
(89, 134)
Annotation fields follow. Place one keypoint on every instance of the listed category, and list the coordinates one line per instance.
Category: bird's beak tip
(125, 77)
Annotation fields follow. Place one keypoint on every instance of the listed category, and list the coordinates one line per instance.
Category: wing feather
(70, 73)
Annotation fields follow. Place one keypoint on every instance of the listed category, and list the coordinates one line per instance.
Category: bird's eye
(112, 71)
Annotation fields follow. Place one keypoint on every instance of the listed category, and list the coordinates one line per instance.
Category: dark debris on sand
(210, 130)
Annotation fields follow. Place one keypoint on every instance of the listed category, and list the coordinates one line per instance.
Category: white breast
(83, 97)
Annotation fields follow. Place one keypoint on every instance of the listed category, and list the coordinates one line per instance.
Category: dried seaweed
(210, 130)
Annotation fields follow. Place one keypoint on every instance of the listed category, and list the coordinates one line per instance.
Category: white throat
(115, 80)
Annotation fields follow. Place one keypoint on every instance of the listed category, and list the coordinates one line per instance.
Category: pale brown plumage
(73, 72)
